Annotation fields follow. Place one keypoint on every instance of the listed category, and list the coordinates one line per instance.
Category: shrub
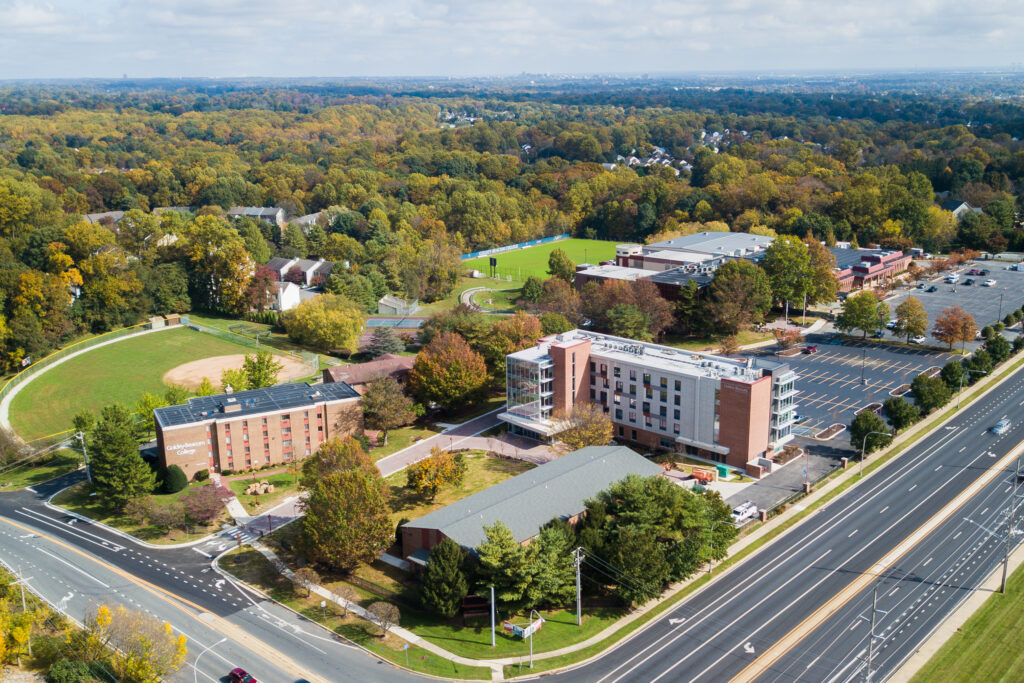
(1018, 343)
(999, 327)
(174, 479)
(986, 331)
(226, 473)
(202, 475)
(363, 440)
(68, 671)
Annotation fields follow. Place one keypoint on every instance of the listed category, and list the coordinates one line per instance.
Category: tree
(627, 320)
(261, 293)
(900, 414)
(559, 297)
(787, 262)
(325, 322)
(953, 375)
(118, 471)
(561, 266)
(864, 312)
(144, 411)
(384, 340)
(439, 469)
(822, 284)
(862, 427)
(979, 364)
(929, 393)
(739, 294)
(555, 582)
(953, 325)
(689, 314)
(306, 577)
(176, 394)
(637, 553)
(144, 648)
(444, 583)
(385, 615)
(998, 347)
(385, 405)
(175, 479)
(533, 289)
(508, 335)
(447, 372)
(203, 504)
(553, 323)
(347, 519)
(505, 565)
(261, 369)
(205, 388)
(912, 319)
(585, 425)
(235, 378)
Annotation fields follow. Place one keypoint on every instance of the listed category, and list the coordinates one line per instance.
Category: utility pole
(85, 455)
(492, 616)
(1009, 527)
(577, 560)
(871, 637)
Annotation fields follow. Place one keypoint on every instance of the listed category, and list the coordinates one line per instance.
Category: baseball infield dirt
(191, 374)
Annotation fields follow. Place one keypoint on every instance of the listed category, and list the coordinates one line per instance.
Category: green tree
(234, 378)
(980, 363)
(912, 319)
(953, 375)
(929, 393)
(555, 581)
(533, 289)
(385, 405)
(506, 565)
(637, 554)
(205, 388)
(689, 314)
(254, 243)
(862, 312)
(144, 411)
(384, 340)
(561, 266)
(118, 471)
(174, 479)
(900, 414)
(444, 583)
(326, 322)
(822, 284)
(627, 320)
(861, 434)
(261, 369)
(553, 323)
(448, 372)
(787, 262)
(739, 295)
(998, 347)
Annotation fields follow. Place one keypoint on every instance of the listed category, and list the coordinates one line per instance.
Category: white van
(744, 512)
(953, 278)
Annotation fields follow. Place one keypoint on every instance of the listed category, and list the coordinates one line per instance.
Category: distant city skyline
(275, 38)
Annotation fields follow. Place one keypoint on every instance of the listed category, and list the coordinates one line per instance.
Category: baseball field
(522, 263)
(116, 373)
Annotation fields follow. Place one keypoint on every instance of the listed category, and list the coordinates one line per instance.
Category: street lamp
(323, 606)
(85, 455)
(961, 390)
(863, 362)
(711, 542)
(863, 447)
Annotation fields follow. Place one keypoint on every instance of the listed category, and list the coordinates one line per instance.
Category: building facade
(726, 410)
(246, 429)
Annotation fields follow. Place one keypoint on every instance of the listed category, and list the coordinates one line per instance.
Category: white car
(891, 325)
(919, 339)
(988, 283)
(744, 512)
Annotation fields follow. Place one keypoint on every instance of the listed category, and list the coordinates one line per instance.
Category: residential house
(269, 214)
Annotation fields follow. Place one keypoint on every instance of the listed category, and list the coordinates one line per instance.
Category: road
(75, 565)
(716, 634)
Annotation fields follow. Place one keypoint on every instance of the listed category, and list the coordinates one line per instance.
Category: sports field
(118, 372)
(522, 263)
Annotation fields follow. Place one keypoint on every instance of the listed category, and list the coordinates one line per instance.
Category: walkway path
(449, 438)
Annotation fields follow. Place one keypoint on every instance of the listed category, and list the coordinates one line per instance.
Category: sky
(341, 38)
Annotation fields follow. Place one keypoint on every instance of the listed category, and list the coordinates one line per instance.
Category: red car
(239, 675)
(810, 349)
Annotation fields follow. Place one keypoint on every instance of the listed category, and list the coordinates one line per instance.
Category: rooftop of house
(679, 256)
(655, 356)
(114, 216)
(255, 211)
(717, 243)
(849, 258)
(252, 402)
(526, 502)
(617, 272)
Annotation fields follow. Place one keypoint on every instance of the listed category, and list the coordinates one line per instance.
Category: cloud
(463, 37)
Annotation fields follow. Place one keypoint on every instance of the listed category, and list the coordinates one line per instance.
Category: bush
(1018, 315)
(363, 440)
(174, 479)
(226, 473)
(202, 475)
(1008, 320)
(986, 331)
(68, 671)
(999, 327)
(1018, 343)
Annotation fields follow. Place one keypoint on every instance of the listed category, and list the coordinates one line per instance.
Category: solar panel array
(253, 401)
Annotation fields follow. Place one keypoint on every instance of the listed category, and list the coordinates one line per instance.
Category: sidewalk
(448, 439)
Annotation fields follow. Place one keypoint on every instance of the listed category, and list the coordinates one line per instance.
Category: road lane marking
(883, 509)
(77, 569)
(853, 533)
(48, 521)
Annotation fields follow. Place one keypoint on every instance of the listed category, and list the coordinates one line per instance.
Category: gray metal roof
(528, 501)
(718, 243)
(253, 401)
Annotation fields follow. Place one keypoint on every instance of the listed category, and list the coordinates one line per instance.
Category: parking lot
(987, 304)
(830, 380)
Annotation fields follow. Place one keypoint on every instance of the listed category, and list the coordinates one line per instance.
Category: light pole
(961, 390)
(1009, 526)
(85, 455)
(492, 616)
(863, 362)
(323, 606)
(863, 447)
(539, 618)
(577, 560)
(1000, 316)
(871, 637)
(195, 664)
(711, 542)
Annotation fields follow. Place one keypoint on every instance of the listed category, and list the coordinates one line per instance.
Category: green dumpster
(723, 471)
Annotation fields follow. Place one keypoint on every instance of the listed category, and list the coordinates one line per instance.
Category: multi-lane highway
(75, 566)
(722, 631)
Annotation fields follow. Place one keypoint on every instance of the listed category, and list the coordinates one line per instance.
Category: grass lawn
(712, 343)
(399, 439)
(501, 299)
(276, 340)
(987, 647)
(78, 499)
(41, 469)
(250, 566)
(120, 372)
(474, 409)
(522, 263)
(481, 472)
(284, 485)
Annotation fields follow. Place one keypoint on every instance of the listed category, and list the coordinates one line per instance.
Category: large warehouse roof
(528, 501)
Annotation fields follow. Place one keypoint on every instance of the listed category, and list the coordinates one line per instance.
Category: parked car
(933, 288)
(239, 675)
(891, 325)
(969, 281)
(878, 334)
(810, 349)
(1001, 427)
(835, 339)
(743, 512)
(972, 271)
(922, 285)
(988, 283)
(918, 339)
(983, 273)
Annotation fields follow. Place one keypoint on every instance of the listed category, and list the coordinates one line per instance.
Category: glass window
(663, 382)
(632, 389)
(647, 407)
(647, 378)
(648, 392)
(675, 428)
(632, 416)
(617, 371)
(675, 399)
(675, 414)
(678, 385)
(618, 413)
(632, 374)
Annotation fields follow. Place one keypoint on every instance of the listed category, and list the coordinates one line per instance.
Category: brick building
(255, 428)
(860, 268)
(738, 412)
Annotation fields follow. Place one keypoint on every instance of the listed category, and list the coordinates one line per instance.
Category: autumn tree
(559, 297)
(822, 284)
(585, 425)
(326, 322)
(261, 369)
(261, 292)
(305, 577)
(954, 325)
(385, 615)
(912, 319)
(203, 504)
(508, 335)
(143, 647)
(386, 406)
(347, 519)
(561, 266)
(862, 311)
(441, 468)
(447, 372)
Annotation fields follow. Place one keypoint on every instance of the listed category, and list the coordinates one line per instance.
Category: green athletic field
(118, 372)
(522, 263)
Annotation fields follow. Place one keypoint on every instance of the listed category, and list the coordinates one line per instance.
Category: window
(592, 366)
(632, 374)
(663, 424)
(632, 390)
(647, 407)
(617, 398)
(618, 415)
(227, 440)
(648, 422)
(634, 434)
(664, 396)
(604, 368)
(663, 411)
(592, 393)
(245, 436)
(632, 416)
(647, 378)
(618, 386)
(622, 431)
(648, 392)
(675, 414)
(663, 382)
(679, 385)
(286, 443)
(604, 397)
(617, 371)
(675, 428)
(632, 403)
(675, 399)
(604, 383)
(268, 459)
